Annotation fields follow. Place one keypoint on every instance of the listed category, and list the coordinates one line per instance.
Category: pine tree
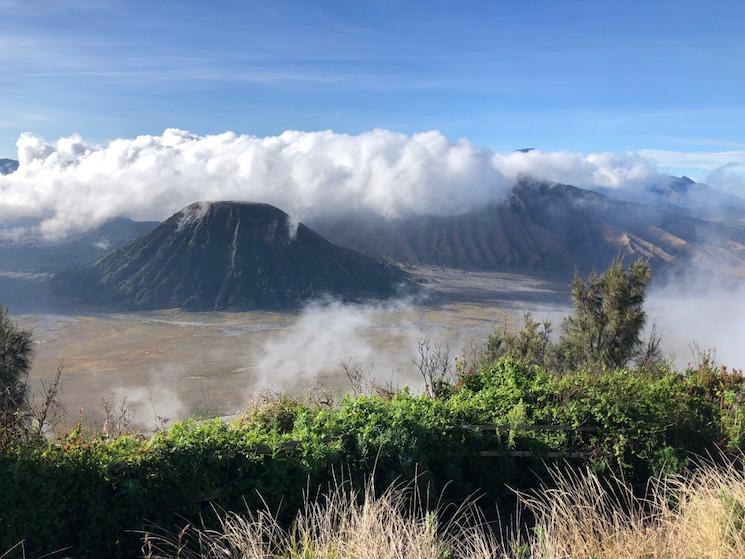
(15, 364)
(605, 330)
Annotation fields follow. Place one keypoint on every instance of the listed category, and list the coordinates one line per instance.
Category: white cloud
(703, 161)
(72, 184)
(323, 335)
(155, 402)
(724, 170)
(729, 177)
(607, 170)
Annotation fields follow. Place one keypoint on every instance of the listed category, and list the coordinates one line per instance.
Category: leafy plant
(608, 317)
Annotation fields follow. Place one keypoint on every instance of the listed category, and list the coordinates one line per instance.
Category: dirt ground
(173, 364)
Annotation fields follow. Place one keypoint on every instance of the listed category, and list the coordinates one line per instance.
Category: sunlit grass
(578, 516)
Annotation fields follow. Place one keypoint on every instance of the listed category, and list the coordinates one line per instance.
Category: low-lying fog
(704, 309)
(173, 364)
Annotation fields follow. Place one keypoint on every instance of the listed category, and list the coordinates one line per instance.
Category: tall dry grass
(342, 524)
(579, 516)
(698, 515)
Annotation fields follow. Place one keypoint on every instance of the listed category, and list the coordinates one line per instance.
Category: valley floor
(175, 364)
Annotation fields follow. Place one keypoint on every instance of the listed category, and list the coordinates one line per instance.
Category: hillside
(227, 255)
(685, 196)
(543, 227)
(48, 256)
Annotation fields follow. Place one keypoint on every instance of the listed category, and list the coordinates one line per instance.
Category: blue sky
(587, 76)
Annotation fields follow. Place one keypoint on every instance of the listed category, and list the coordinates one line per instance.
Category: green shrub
(604, 331)
(93, 495)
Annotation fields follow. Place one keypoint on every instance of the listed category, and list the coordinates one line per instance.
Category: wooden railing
(533, 427)
(529, 427)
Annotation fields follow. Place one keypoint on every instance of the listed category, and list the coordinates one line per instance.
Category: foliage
(579, 515)
(608, 317)
(604, 332)
(95, 494)
(531, 344)
(346, 523)
(15, 364)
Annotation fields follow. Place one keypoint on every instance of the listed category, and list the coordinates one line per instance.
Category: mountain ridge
(543, 227)
(228, 256)
(685, 196)
(48, 256)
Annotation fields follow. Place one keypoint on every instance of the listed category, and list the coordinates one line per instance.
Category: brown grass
(701, 515)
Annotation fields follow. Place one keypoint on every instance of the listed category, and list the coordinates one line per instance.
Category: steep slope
(685, 196)
(48, 256)
(543, 227)
(228, 255)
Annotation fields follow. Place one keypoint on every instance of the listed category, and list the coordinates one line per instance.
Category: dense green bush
(93, 495)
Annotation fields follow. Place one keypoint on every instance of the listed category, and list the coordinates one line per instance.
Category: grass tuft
(579, 516)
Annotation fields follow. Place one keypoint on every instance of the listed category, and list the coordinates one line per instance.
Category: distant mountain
(228, 256)
(685, 196)
(46, 256)
(542, 227)
(8, 166)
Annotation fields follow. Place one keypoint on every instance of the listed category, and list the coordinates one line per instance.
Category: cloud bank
(73, 185)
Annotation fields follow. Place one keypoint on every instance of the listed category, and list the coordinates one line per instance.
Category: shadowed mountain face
(8, 166)
(684, 196)
(48, 256)
(543, 227)
(228, 256)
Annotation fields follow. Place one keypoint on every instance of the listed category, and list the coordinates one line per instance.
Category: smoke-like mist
(72, 185)
(323, 335)
(703, 309)
(377, 339)
(154, 404)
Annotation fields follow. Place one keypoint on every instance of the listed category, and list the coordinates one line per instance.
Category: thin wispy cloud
(477, 70)
(703, 160)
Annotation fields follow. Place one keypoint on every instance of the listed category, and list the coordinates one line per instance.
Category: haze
(463, 160)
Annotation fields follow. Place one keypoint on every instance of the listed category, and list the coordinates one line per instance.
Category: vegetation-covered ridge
(598, 396)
